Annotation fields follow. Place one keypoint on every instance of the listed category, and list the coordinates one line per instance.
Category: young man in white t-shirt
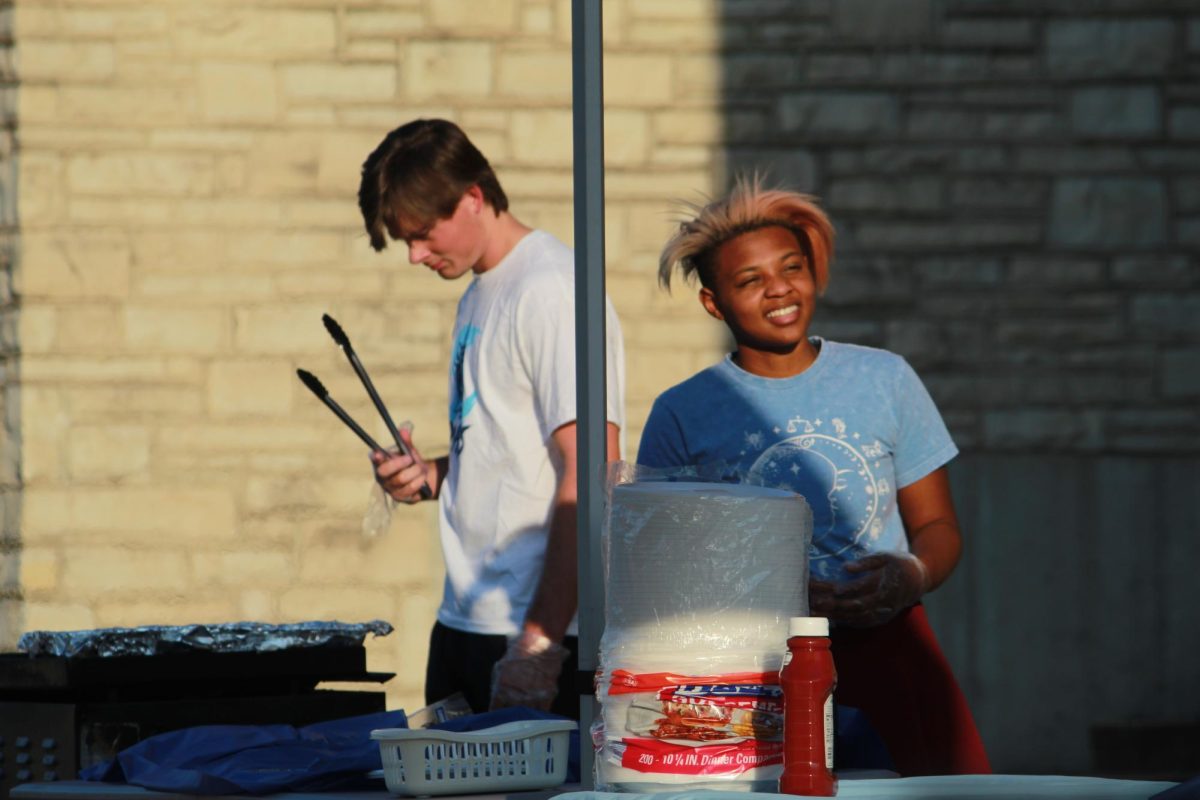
(507, 489)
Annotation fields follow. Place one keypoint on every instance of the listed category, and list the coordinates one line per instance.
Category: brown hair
(418, 174)
(748, 207)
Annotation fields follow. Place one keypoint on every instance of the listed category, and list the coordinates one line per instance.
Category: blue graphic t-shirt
(846, 433)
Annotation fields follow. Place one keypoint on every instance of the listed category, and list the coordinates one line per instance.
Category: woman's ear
(709, 301)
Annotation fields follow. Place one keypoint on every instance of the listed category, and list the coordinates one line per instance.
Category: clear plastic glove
(887, 583)
(527, 674)
(380, 505)
(378, 516)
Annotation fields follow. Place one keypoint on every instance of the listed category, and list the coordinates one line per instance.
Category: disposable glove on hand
(527, 674)
(887, 583)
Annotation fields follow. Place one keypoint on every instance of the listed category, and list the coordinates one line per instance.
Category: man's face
(451, 246)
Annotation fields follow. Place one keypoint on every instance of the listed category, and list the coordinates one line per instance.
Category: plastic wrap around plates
(703, 568)
(701, 579)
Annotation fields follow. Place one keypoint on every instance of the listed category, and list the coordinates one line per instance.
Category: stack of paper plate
(701, 580)
(703, 568)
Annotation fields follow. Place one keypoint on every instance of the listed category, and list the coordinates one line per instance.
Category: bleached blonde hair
(748, 207)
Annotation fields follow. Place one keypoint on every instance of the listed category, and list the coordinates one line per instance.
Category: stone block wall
(187, 180)
(10, 466)
(1015, 186)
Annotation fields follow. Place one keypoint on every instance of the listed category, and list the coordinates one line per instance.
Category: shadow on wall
(1017, 196)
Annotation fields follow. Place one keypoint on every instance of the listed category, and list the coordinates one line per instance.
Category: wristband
(924, 573)
(532, 644)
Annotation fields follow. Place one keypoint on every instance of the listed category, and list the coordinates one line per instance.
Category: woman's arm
(927, 509)
(886, 583)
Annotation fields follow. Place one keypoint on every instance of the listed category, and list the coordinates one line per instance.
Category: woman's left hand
(887, 583)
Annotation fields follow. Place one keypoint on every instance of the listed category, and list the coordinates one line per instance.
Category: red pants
(898, 677)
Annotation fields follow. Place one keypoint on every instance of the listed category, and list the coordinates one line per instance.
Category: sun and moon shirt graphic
(461, 403)
(839, 475)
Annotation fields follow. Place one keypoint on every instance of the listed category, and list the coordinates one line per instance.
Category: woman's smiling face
(762, 287)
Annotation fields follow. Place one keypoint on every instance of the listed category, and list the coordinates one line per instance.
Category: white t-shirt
(512, 384)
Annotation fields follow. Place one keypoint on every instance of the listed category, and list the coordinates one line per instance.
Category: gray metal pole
(588, 106)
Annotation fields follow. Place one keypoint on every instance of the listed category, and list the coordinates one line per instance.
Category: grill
(59, 715)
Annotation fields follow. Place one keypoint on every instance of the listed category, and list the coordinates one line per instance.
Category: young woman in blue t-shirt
(850, 428)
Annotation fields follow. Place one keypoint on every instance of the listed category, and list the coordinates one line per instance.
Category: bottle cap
(808, 626)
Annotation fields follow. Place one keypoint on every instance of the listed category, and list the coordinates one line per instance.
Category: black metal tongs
(318, 388)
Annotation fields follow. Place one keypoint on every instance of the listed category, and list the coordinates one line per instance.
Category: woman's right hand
(884, 585)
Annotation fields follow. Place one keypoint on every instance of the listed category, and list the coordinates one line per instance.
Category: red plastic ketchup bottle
(808, 679)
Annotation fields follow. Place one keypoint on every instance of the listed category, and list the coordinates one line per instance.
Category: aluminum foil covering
(222, 637)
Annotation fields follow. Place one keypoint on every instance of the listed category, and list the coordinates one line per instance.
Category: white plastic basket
(516, 756)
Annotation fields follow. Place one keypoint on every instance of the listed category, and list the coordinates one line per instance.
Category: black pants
(462, 662)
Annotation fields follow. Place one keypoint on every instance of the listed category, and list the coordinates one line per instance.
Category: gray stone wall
(9, 408)
(1073, 609)
(1016, 187)
(1017, 191)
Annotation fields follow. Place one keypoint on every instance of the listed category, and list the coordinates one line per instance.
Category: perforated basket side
(393, 767)
(432, 767)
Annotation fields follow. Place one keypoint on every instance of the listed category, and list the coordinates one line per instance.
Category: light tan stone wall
(187, 178)
(10, 589)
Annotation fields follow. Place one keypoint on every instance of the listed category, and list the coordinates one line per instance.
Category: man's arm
(557, 595)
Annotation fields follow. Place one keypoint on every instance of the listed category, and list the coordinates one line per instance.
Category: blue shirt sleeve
(923, 443)
(662, 442)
